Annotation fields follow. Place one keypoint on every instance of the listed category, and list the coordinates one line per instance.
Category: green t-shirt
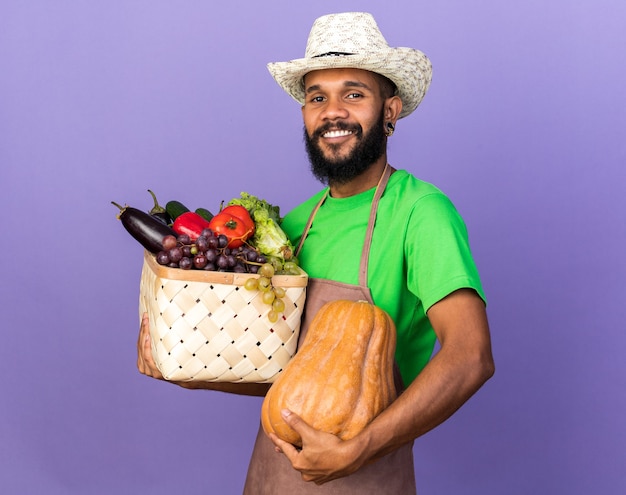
(419, 254)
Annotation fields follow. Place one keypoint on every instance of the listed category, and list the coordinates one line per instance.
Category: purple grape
(162, 258)
(222, 241)
(252, 255)
(169, 242)
(199, 261)
(184, 239)
(175, 254)
(222, 262)
(202, 244)
(211, 255)
(185, 263)
(212, 242)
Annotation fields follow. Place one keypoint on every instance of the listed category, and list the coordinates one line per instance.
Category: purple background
(523, 128)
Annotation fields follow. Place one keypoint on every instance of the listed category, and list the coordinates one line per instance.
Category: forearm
(444, 385)
(463, 364)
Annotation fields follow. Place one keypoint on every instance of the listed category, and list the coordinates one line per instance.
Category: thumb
(295, 422)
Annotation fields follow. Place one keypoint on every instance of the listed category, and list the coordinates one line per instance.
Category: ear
(393, 107)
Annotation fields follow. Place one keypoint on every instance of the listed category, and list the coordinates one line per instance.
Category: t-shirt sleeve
(438, 255)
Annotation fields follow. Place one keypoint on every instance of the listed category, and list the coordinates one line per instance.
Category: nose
(334, 109)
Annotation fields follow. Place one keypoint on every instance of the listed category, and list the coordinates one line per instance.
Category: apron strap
(365, 254)
(309, 222)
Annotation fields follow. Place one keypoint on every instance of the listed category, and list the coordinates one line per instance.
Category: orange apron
(271, 473)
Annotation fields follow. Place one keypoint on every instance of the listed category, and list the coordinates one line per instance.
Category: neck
(361, 183)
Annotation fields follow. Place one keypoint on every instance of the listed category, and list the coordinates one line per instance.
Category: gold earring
(390, 129)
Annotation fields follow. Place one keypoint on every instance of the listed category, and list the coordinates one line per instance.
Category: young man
(378, 234)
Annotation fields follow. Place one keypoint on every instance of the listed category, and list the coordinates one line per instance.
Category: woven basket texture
(205, 326)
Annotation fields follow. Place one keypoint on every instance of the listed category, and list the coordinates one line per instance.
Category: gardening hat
(353, 40)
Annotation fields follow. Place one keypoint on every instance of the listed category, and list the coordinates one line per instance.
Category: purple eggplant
(146, 229)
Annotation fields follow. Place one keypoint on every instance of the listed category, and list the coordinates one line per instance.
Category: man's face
(343, 123)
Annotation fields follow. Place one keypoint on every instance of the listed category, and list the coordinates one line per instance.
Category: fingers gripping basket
(205, 326)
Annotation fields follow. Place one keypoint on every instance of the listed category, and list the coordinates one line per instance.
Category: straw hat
(353, 40)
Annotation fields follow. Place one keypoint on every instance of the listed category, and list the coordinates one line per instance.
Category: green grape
(291, 268)
(279, 292)
(277, 264)
(252, 283)
(272, 316)
(278, 305)
(268, 297)
(265, 284)
(266, 270)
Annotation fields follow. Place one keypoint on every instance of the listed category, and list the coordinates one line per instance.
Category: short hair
(387, 87)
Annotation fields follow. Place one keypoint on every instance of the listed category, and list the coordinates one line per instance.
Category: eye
(354, 96)
(317, 99)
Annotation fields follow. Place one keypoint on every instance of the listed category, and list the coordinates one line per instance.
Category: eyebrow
(346, 84)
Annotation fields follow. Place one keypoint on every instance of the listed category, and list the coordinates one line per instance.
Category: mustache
(337, 126)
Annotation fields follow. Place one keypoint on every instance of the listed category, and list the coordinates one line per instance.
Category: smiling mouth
(336, 133)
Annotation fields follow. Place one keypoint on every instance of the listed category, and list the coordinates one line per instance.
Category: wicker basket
(205, 326)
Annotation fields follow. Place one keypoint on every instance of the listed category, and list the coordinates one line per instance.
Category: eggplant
(146, 229)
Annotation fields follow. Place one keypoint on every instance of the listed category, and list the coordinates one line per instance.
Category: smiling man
(379, 234)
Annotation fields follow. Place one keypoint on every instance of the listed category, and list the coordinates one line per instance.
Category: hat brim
(409, 69)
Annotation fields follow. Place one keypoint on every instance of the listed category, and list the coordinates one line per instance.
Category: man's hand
(323, 457)
(145, 361)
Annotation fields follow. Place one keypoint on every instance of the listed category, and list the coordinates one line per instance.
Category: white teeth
(333, 134)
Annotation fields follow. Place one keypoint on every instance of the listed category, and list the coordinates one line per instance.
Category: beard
(340, 170)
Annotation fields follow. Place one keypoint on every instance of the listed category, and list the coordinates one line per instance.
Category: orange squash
(341, 377)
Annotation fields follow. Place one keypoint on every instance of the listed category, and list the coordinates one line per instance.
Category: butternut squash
(341, 378)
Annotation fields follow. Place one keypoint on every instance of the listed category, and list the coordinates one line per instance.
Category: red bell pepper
(190, 223)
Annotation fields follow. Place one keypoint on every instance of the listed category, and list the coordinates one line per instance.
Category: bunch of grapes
(270, 294)
(210, 251)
